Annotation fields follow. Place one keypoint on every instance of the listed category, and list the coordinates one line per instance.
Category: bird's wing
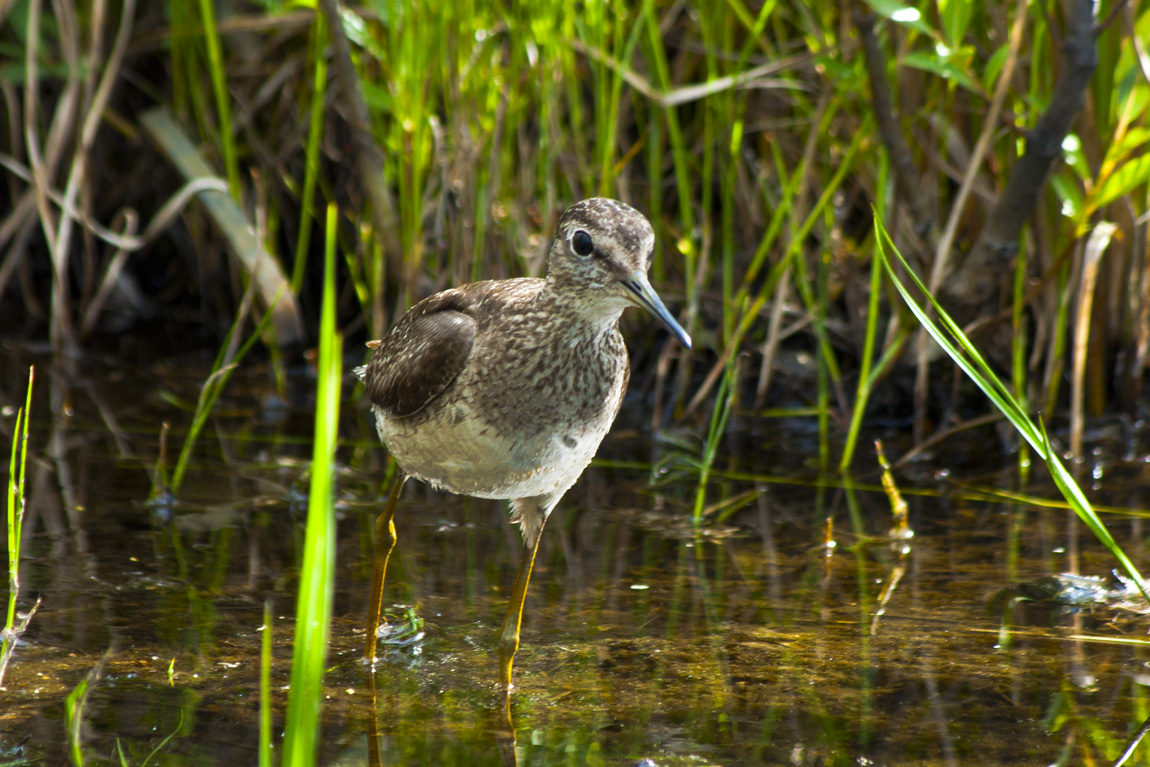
(422, 354)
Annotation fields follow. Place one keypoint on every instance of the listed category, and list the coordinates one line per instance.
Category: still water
(743, 641)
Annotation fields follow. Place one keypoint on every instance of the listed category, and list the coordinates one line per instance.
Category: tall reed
(317, 572)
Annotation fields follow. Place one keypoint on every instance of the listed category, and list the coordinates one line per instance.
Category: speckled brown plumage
(504, 389)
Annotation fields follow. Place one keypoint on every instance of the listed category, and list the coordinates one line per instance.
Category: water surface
(741, 642)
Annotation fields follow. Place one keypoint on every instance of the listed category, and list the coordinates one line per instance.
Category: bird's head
(600, 258)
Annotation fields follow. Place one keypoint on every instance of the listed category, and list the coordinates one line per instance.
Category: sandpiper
(505, 388)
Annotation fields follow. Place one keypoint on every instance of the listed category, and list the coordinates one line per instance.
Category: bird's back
(497, 389)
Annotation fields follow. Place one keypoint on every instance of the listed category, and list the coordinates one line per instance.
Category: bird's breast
(517, 424)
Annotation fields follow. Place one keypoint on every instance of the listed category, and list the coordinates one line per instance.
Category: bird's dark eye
(582, 244)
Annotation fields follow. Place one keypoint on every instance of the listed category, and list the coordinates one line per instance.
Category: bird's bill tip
(640, 293)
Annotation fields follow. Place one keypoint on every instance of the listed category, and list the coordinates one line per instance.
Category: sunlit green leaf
(994, 67)
(377, 97)
(1126, 179)
(1131, 93)
(907, 15)
(943, 67)
(1132, 141)
(956, 15)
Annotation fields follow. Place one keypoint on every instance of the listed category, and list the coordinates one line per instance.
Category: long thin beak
(642, 294)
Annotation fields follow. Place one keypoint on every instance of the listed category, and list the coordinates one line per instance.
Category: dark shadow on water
(746, 642)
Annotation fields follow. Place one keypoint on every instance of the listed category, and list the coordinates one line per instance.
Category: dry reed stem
(1092, 256)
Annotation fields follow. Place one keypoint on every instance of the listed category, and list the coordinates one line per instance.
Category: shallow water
(749, 642)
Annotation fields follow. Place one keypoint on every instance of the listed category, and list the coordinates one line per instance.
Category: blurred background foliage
(161, 159)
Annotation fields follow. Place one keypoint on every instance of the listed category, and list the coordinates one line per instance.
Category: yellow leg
(505, 736)
(383, 543)
(374, 758)
(509, 633)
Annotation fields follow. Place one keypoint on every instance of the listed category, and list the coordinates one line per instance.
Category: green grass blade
(265, 755)
(1077, 500)
(214, 386)
(720, 415)
(15, 526)
(679, 152)
(13, 531)
(314, 135)
(218, 71)
(862, 393)
(74, 714)
(75, 703)
(317, 573)
(163, 743)
(955, 343)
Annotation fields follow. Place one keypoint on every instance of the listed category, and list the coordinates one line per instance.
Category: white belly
(458, 452)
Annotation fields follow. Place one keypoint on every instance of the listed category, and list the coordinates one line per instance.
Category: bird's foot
(405, 631)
